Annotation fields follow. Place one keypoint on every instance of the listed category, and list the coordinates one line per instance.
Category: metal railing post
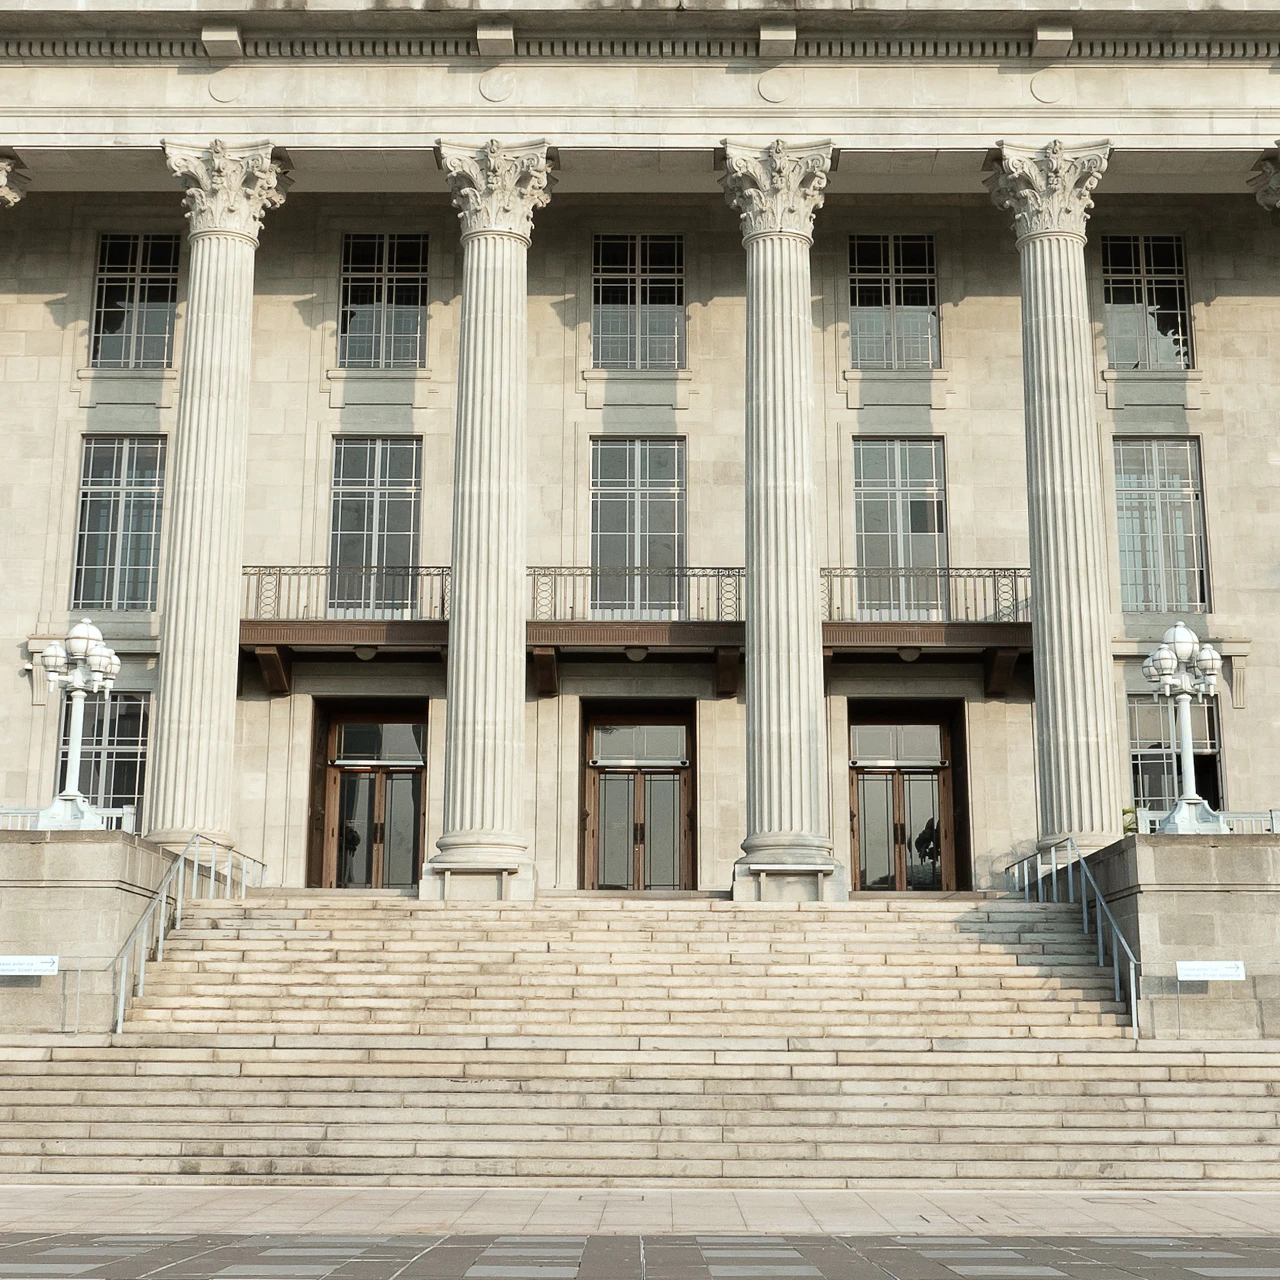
(182, 866)
(121, 992)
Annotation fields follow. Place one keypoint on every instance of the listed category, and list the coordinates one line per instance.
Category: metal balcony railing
(300, 593)
(584, 593)
(926, 595)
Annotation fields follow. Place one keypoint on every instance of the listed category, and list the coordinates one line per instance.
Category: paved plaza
(331, 1233)
(202, 1256)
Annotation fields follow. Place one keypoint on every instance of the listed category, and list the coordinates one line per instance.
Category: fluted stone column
(484, 849)
(191, 784)
(1078, 754)
(776, 192)
(13, 183)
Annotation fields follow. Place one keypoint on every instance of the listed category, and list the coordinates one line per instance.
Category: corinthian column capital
(1265, 183)
(1048, 189)
(12, 183)
(497, 188)
(228, 188)
(778, 189)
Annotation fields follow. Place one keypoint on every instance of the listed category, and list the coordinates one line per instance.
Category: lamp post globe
(1183, 667)
(81, 664)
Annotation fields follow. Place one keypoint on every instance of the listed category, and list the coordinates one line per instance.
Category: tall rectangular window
(118, 538)
(135, 298)
(893, 303)
(637, 527)
(1160, 516)
(1153, 758)
(383, 317)
(1144, 287)
(637, 318)
(113, 763)
(900, 518)
(377, 495)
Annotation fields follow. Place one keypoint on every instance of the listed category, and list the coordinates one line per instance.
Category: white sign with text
(1210, 970)
(28, 966)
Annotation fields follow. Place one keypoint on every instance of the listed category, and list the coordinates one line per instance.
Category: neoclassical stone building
(739, 448)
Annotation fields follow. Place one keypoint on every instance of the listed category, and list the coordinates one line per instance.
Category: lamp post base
(70, 812)
(1191, 817)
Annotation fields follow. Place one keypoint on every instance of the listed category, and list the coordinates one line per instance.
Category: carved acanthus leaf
(1265, 183)
(777, 189)
(1048, 189)
(497, 188)
(228, 188)
(12, 183)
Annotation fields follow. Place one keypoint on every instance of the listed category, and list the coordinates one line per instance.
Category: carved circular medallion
(228, 84)
(498, 84)
(1048, 85)
(775, 85)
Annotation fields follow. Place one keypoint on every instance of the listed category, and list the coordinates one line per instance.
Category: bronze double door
(374, 804)
(638, 820)
(901, 807)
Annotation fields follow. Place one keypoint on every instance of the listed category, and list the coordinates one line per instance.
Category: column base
(1086, 841)
(479, 867)
(177, 837)
(779, 867)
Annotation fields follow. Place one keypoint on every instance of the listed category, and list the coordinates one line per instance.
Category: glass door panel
(876, 830)
(615, 865)
(662, 831)
(357, 796)
(923, 830)
(401, 828)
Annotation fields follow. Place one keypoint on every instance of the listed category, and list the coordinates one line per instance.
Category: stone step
(330, 1038)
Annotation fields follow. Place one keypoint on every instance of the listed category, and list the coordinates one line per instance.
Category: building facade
(638, 501)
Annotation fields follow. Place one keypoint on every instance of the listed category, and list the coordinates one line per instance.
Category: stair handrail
(228, 870)
(1049, 868)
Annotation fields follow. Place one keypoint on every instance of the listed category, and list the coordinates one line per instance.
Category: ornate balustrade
(333, 593)
(583, 593)
(926, 595)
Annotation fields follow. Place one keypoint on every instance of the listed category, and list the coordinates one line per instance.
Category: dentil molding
(666, 48)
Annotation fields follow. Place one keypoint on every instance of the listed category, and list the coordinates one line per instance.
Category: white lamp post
(1182, 667)
(81, 665)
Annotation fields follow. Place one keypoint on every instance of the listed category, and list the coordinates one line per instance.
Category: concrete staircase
(912, 1041)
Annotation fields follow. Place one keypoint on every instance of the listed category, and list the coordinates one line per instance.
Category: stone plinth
(77, 895)
(1208, 897)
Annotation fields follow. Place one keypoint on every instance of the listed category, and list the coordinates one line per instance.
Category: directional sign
(1210, 970)
(28, 966)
